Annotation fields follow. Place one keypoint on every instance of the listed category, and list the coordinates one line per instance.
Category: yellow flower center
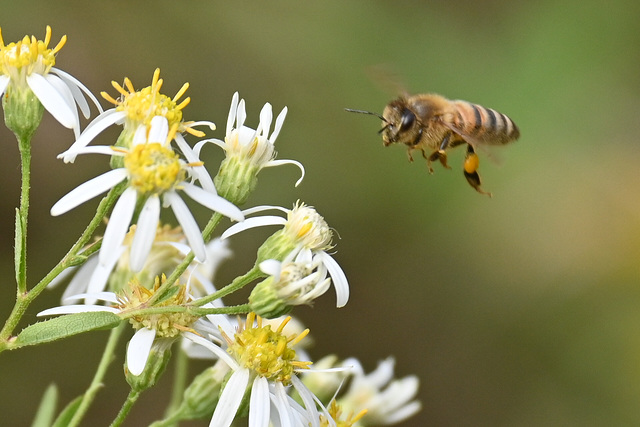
(28, 56)
(153, 168)
(167, 325)
(266, 352)
(142, 105)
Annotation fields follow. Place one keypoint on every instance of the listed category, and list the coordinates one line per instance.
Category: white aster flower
(138, 108)
(305, 235)
(386, 400)
(247, 151)
(153, 172)
(262, 359)
(28, 65)
(158, 329)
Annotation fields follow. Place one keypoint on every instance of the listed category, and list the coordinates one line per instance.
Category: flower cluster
(159, 277)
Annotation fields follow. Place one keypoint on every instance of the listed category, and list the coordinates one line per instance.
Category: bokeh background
(521, 310)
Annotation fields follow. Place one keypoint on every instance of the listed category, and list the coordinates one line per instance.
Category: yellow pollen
(142, 105)
(29, 55)
(266, 352)
(336, 414)
(153, 168)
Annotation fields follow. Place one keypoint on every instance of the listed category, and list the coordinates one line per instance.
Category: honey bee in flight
(430, 122)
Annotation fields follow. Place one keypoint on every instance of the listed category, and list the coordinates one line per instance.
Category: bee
(433, 124)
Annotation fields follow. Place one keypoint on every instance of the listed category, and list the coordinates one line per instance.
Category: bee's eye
(407, 120)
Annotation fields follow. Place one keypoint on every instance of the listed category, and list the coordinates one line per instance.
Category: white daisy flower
(161, 329)
(305, 235)
(28, 65)
(154, 173)
(262, 359)
(137, 108)
(247, 151)
(386, 400)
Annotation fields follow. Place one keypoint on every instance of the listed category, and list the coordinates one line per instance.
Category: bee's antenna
(367, 112)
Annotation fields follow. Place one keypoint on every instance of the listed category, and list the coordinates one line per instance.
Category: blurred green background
(521, 310)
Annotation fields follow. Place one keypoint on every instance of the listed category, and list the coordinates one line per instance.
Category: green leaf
(47, 408)
(20, 253)
(65, 326)
(67, 414)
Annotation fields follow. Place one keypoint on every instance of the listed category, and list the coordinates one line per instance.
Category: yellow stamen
(181, 92)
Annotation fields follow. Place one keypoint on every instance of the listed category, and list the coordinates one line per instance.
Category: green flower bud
(22, 111)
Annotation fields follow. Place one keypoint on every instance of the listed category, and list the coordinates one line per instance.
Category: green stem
(96, 383)
(238, 283)
(24, 143)
(23, 300)
(132, 398)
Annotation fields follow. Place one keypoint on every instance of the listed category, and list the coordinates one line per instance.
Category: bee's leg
(409, 150)
(428, 159)
(471, 164)
(441, 154)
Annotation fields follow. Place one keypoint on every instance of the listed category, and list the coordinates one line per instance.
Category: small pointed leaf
(47, 408)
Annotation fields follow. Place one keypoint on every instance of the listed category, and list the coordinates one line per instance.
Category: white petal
(241, 115)
(271, 267)
(52, 100)
(138, 350)
(118, 225)
(66, 93)
(100, 123)
(216, 350)
(259, 405)
(159, 129)
(282, 405)
(139, 136)
(213, 202)
(145, 233)
(232, 112)
(266, 115)
(72, 82)
(102, 296)
(340, 282)
(88, 190)
(307, 398)
(278, 126)
(71, 309)
(252, 223)
(188, 224)
(98, 280)
(230, 399)
(263, 208)
(199, 172)
(404, 413)
(273, 163)
(4, 82)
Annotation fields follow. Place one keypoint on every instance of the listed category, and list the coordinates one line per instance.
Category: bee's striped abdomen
(484, 124)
